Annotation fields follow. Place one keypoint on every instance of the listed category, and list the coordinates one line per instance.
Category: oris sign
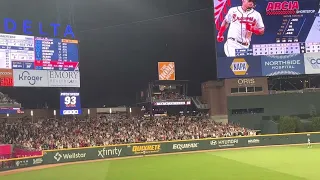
(246, 82)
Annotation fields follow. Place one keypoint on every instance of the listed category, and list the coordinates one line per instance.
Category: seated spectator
(112, 129)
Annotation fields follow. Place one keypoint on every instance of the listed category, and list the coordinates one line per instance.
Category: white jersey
(237, 18)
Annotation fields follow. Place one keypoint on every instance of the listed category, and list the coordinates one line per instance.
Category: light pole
(31, 113)
(55, 114)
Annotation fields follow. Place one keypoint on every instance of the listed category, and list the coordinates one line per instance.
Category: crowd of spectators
(165, 96)
(6, 99)
(112, 129)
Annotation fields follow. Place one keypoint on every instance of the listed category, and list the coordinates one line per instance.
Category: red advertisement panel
(19, 153)
(5, 151)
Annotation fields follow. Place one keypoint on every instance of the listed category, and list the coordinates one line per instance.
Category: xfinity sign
(109, 152)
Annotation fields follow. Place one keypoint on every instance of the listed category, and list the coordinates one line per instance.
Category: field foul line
(5, 173)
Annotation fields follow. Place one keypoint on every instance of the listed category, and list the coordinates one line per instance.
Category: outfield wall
(125, 150)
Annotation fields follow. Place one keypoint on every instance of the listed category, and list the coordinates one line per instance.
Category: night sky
(121, 42)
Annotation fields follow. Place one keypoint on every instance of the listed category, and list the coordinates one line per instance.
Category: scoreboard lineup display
(291, 27)
(38, 53)
(70, 103)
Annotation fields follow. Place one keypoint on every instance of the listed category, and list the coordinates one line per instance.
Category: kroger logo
(239, 66)
(32, 80)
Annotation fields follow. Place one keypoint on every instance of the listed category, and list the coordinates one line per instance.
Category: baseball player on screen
(243, 21)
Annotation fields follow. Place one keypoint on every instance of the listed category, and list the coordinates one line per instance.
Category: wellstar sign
(28, 28)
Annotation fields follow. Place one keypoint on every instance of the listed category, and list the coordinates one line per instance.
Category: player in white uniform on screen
(243, 21)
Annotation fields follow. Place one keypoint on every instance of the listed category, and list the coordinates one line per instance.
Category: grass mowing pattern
(272, 163)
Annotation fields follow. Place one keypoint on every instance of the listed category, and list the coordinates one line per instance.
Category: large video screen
(267, 37)
(38, 53)
(28, 61)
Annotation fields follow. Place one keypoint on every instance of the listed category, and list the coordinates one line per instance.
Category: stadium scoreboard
(70, 103)
(38, 53)
(290, 28)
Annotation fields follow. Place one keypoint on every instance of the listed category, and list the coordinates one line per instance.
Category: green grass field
(280, 163)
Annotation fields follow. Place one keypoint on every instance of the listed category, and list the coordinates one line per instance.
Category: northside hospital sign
(11, 26)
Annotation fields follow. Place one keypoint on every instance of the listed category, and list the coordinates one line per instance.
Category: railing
(199, 104)
(125, 150)
(295, 91)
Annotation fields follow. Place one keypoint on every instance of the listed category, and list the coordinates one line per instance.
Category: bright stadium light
(31, 113)
(55, 114)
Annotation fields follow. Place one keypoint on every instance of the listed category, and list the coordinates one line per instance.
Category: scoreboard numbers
(70, 100)
(70, 103)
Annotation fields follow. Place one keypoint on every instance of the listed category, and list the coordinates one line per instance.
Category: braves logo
(250, 20)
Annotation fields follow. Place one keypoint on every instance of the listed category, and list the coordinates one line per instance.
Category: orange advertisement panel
(6, 73)
(166, 71)
(6, 77)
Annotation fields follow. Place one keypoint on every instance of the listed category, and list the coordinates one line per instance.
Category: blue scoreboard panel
(70, 103)
(38, 53)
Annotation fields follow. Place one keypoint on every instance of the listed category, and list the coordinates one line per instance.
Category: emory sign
(11, 26)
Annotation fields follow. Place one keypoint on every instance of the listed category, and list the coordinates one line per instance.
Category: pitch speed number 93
(70, 100)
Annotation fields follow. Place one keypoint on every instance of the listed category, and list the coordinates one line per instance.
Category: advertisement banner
(166, 71)
(70, 103)
(72, 155)
(68, 155)
(11, 110)
(111, 152)
(19, 153)
(277, 65)
(6, 77)
(239, 67)
(224, 143)
(22, 163)
(30, 78)
(312, 63)
(5, 151)
(64, 78)
(186, 146)
(145, 149)
(174, 103)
